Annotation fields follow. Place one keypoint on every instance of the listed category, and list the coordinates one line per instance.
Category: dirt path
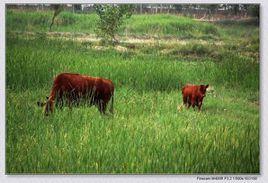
(86, 37)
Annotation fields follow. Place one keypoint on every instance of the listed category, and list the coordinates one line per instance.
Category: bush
(42, 20)
(111, 18)
(210, 29)
(254, 10)
(67, 19)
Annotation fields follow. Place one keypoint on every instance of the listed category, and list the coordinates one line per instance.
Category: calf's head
(203, 89)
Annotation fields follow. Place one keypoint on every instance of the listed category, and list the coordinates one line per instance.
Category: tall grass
(147, 133)
(231, 71)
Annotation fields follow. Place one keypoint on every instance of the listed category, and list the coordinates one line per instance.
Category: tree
(235, 8)
(254, 10)
(77, 7)
(178, 7)
(57, 9)
(111, 18)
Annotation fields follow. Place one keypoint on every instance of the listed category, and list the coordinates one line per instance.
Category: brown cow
(193, 95)
(76, 87)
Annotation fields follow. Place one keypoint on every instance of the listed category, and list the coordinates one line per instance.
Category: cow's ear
(207, 85)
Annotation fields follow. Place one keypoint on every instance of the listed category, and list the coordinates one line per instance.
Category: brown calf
(193, 95)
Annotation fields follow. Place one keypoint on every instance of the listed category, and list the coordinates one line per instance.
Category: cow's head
(42, 104)
(47, 105)
(203, 89)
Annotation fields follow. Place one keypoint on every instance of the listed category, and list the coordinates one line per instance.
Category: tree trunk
(57, 9)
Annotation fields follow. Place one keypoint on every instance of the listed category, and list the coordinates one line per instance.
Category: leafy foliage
(254, 10)
(111, 18)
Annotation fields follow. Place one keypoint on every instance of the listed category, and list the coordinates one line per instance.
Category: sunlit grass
(147, 133)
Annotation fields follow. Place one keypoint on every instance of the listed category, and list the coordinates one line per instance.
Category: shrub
(68, 19)
(111, 18)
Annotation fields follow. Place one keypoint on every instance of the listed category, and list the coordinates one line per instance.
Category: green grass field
(147, 133)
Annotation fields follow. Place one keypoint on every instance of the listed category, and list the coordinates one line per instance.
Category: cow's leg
(60, 102)
(197, 101)
(200, 105)
(49, 107)
(91, 100)
(69, 101)
(189, 104)
(185, 100)
(102, 106)
(193, 101)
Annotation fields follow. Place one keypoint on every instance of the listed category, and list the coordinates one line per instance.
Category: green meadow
(149, 133)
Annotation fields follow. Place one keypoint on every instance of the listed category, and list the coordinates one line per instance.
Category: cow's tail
(112, 105)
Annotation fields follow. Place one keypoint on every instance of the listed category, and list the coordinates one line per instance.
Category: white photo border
(263, 177)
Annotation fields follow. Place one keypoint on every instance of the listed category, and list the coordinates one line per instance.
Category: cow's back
(67, 82)
(189, 89)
